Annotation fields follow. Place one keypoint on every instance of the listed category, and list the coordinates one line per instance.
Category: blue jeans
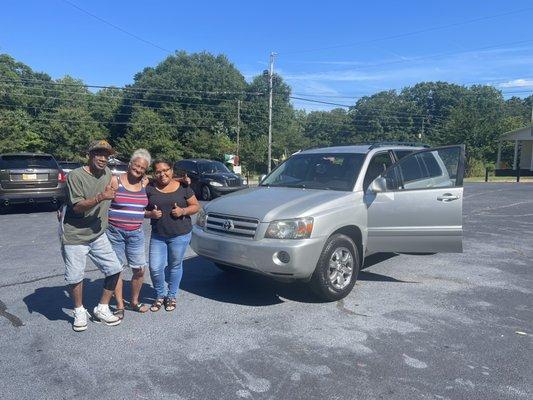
(129, 246)
(167, 253)
(99, 251)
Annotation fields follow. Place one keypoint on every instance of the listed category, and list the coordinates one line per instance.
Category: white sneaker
(80, 320)
(105, 315)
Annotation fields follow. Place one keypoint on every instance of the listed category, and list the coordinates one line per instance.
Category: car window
(209, 167)
(427, 169)
(432, 166)
(379, 163)
(402, 153)
(317, 171)
(27, 162)
(69, 165)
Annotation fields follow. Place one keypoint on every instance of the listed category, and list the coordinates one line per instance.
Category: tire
(334, 282)
(205, 193)
(226, 268)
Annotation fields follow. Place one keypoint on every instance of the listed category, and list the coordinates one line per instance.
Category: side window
(402, 153)
(427, 169)
(189, 166)
(379, 163)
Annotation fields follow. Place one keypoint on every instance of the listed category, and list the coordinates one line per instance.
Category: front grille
(233, 182)
(232, 226)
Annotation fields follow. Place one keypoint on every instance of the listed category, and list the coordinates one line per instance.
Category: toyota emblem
(227, 225)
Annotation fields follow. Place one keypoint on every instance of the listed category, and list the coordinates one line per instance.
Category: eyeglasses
(162, 171)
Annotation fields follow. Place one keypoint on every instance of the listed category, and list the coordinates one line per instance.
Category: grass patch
(511, 179)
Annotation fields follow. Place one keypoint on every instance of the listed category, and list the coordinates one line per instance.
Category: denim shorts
(129, 246)
(99, 251)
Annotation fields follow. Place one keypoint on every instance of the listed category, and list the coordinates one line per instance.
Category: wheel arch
(354, 233)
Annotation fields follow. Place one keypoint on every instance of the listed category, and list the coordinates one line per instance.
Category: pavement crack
(15, 321)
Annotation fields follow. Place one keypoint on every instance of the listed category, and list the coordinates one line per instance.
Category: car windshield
(25, 162)
(212, 166)
(317, 171)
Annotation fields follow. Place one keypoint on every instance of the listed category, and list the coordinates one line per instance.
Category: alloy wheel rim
(340, 268)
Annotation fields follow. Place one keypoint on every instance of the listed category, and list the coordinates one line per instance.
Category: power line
(431, 56)
(133, 35)
(92, 100)
(132, 89)
(411, 33)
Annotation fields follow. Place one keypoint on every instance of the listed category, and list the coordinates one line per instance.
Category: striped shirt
(127, 208)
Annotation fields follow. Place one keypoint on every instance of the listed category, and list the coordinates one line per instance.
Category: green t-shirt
(85, 227)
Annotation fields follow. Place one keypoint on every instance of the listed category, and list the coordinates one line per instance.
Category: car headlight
(217, 184)
(201, 218)
(300, 228)
(244, 182)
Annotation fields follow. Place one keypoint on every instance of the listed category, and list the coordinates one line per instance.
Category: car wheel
(206, 193)
(337, 269)
(227, 268)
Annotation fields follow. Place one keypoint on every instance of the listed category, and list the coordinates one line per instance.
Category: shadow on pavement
(50, 301)
(27, 208)
(202, 278)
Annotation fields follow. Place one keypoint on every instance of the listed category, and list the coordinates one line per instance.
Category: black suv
(210, 178)
(30, 178)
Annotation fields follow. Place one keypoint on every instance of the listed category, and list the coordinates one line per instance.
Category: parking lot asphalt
(441, 326)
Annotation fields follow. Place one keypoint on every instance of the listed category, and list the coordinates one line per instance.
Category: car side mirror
(262, 178)
(379, 185)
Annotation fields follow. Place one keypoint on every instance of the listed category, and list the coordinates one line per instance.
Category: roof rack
(373, 145)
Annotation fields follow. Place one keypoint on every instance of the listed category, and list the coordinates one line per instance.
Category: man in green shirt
(90, 190)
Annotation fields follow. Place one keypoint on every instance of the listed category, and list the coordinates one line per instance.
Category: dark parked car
(30, 178)
(210, 178)
(67, 166)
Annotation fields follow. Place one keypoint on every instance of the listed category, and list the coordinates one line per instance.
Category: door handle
(447, 197)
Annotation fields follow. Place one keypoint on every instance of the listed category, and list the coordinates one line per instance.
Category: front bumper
(260, 255)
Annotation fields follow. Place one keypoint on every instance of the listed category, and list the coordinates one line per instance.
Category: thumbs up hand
(177, 211)
(108, 193)
(156, 213)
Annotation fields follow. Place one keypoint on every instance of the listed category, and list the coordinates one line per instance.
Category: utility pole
(421, 134)
(238, 126)
(270, 76)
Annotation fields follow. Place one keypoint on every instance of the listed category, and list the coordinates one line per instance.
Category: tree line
(188, 106)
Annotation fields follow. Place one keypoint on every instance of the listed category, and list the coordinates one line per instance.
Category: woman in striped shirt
(126, 216)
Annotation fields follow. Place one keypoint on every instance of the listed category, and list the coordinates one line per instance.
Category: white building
(523, 151)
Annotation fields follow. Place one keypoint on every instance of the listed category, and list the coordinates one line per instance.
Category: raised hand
(176, 211)
(185, 180)
(156, 213)
(108, 193)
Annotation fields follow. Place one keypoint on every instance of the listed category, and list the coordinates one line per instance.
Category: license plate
(29, 177)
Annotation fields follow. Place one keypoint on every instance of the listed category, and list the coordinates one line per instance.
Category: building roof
(524, 133)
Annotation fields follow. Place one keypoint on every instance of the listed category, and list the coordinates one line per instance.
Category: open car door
(416, 204)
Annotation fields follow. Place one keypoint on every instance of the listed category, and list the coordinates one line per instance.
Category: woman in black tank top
(170, 206)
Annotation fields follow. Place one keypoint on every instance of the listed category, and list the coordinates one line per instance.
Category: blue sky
(333, 51)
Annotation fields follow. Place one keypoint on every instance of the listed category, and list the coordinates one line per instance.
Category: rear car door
(420, 210)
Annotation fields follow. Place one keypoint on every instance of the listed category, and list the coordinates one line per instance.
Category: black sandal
(157, 305)
(119, 312)
(170, 304)
(139, 308)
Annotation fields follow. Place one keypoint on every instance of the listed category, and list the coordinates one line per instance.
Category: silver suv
(318, 214)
